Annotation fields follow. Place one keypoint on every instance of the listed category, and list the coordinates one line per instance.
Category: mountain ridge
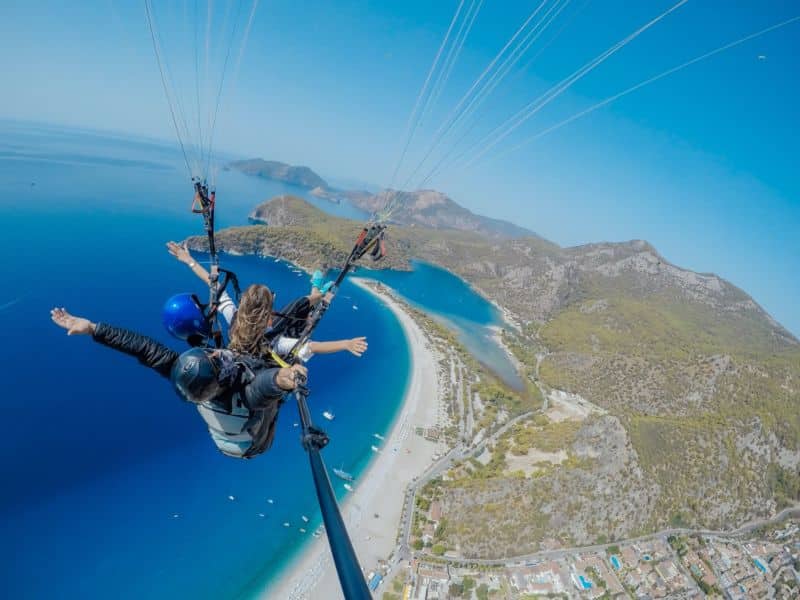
(421, 207)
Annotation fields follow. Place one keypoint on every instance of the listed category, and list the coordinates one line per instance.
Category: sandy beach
(373, 511)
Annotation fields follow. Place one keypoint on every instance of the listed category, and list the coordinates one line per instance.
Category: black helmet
(195, 376)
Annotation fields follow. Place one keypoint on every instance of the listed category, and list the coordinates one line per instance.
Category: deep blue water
(98, 454)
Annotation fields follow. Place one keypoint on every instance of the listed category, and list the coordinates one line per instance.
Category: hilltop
(692, 389)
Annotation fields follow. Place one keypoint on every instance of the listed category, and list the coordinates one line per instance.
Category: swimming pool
(615, 562)
(587, 585)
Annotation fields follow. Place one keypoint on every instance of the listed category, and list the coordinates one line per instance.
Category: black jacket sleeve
(263, 391)
(148, 351)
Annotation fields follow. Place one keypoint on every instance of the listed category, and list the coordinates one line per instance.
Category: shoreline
(380, 489)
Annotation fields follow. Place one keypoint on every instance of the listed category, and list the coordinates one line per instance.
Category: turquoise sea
(452, 302)
(111, 486)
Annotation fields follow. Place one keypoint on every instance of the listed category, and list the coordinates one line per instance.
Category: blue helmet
(183, 317)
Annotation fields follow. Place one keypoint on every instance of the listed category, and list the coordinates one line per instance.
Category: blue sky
(702, 164)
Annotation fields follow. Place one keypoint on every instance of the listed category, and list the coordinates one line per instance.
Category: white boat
(377, 436)
(270, 500)
(348, 487)
(305, 519)
(329, 415)
(231, 498)
(302, 530)
(342, 474)
(375, 449)
(286, 524)
(355, 307)
(277, 260)
(261, 515)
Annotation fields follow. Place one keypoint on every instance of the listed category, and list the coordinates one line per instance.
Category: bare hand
(181, 252)
(357, 346)
(287, 376)
(73, 325)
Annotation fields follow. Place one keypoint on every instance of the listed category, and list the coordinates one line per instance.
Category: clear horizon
(699, 164)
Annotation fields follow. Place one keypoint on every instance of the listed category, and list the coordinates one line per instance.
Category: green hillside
(695, 389)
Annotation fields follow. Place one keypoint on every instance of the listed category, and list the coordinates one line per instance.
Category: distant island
(277, 171)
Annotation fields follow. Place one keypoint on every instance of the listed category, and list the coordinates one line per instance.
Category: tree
(440, 530)
(438, 549)
(417, 544)
(468, 583)
(482, 592)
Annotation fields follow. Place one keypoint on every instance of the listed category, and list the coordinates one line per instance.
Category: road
(793, 511)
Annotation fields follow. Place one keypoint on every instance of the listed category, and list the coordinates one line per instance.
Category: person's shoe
(317, 280)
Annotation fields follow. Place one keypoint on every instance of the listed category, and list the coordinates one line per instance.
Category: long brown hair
(251, 320)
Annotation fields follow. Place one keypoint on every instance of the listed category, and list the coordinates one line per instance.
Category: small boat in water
(348, 487)
(342, 474)
(305, 519)
(302, 530)
(355, 307)
(231, 498)
(270, 500)
(329, 415)
(286, 524)
(375, 449)
(377, 436)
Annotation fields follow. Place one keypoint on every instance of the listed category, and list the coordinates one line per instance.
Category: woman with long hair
(284, 330)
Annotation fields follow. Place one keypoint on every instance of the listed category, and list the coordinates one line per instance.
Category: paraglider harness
(234, 372)
(204, 204)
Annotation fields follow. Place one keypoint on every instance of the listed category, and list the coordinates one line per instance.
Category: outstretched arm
(147, 351)
(356, 346)
(227, 308)
(181, 252)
